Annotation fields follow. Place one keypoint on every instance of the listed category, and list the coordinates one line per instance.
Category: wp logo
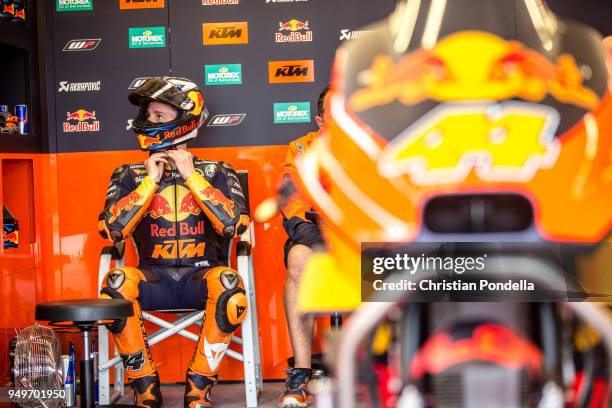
(82, 45)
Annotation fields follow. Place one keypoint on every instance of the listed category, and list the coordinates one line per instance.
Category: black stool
(84, 315)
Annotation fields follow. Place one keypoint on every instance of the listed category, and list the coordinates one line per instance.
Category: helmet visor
(159, 89)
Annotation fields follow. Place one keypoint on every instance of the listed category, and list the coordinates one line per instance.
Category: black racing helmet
(180, 93)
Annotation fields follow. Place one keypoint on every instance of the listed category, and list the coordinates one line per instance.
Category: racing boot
(296, 394)
(147, 392)
(197, 390)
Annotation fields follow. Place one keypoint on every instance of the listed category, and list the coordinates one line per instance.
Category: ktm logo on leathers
(182, 248)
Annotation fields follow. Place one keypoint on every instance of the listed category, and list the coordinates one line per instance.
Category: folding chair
(250, 355)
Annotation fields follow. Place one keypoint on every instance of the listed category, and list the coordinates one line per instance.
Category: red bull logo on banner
(293, 27)
(472, 66)
(86, 121)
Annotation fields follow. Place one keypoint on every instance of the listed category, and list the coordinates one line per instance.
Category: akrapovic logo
(225, 33)
(346, 34)
(137, 82)
(231, 119)
(82, 45)
(66, 86)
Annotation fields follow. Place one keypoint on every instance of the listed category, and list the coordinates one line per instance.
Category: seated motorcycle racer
(181, 211)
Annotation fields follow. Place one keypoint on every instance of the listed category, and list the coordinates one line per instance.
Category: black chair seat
(84, 310)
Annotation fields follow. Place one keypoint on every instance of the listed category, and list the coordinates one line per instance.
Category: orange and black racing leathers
(181, 229)
(298, 227)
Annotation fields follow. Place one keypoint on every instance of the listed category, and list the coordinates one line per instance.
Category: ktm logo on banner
(225, 33)
(291, 71)
(140, 4)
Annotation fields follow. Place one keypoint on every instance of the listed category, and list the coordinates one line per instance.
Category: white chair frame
(250, 356)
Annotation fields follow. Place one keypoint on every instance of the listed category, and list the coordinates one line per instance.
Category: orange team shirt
(297, 205)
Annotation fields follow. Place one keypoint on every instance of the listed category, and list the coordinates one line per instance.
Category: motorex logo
(292, 112)
(147, 37)
(226, 74)
(73, 5)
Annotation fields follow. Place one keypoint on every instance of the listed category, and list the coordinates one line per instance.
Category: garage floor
(224, 395)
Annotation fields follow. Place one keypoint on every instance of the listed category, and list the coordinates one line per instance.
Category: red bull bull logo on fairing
(472, 66)
(490, 120)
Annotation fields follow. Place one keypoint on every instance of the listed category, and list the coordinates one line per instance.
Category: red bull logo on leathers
(189, 206)
(86, 121)
(126, 204)
(173, 204)
(159, 207)
(472, 65)
(216, 197)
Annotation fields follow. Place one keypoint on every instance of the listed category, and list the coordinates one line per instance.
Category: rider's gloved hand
(183, 160)
(155, 166)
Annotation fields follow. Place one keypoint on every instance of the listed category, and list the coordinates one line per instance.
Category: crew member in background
(608, 48)
(181, 212)
(304, 235)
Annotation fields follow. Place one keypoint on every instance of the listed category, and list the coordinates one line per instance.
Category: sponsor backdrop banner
(260, 64)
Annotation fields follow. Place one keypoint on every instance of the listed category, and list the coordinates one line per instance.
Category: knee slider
(123, 281)
(118, 282)
(118, 325)
(232, 302)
